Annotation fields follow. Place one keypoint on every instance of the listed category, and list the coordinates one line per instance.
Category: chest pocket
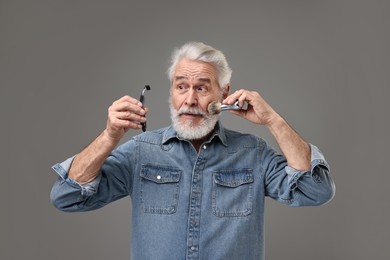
(159, 189)
(232, 193)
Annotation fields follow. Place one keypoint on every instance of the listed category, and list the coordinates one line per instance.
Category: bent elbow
(330, 193)
(60, 203)
(325, 194)
(63, 197)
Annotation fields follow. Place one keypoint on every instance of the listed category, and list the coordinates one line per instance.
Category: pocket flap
(160, 174)
(233, 178)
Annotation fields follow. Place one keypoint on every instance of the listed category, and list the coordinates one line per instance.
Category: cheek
(215, 97)
(176, 101)
(204, 104)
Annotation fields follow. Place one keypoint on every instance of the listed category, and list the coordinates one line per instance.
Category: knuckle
(128, 114)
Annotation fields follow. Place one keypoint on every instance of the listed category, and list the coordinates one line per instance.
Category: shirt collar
(219, 132)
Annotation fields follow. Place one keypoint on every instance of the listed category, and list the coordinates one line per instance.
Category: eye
(201, 89)
(181, 87)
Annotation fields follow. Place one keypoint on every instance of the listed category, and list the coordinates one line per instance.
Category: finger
(117, 124)
(242, 98)
(128, 106)
(245, 96)
(128, 115)
(234, 97)
(127, 102)
(129, 99)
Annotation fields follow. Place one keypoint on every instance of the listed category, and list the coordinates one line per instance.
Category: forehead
(194, 70)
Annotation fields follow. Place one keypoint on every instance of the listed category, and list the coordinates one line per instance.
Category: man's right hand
(124, 114)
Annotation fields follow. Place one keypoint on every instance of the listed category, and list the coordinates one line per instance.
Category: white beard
(187, 129)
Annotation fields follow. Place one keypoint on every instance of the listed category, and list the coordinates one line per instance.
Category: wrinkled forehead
(191, 70)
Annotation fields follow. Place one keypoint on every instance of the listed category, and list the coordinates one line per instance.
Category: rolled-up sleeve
(298, 188)
(66, 194)
(315, 187)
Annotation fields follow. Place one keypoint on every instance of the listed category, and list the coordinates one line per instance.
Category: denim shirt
(196, 205)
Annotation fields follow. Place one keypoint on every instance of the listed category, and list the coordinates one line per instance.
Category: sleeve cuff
(87, 189)
(317, 159)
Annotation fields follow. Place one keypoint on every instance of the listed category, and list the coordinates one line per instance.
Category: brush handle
(234, 106)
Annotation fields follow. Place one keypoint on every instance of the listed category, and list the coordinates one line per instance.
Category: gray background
(324, 65)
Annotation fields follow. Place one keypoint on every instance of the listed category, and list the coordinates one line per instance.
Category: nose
(191, 99)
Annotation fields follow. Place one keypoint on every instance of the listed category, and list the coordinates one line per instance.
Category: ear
(226, 91)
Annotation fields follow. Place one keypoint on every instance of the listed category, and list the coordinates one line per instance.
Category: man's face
(195, 85)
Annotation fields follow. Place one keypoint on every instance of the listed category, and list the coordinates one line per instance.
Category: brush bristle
(214, 108)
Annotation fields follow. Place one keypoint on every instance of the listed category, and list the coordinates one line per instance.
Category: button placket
(195, 207)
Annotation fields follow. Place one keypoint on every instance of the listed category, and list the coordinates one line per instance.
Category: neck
(197, 143)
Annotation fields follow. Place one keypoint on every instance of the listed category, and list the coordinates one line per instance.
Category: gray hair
(199, 51)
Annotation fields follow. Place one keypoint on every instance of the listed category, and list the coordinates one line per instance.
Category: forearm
(86, 165)
(294, 148)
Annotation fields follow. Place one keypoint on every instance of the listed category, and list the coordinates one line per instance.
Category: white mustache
(193, 111)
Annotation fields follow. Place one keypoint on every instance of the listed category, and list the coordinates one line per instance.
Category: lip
(186, 115)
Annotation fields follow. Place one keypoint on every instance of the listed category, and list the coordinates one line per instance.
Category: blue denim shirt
(196, 205)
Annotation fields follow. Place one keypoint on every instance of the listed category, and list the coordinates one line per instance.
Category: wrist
(275, 121)
(107, 140)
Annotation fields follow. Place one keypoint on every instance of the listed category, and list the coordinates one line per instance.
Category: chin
(188, 130)
(193, 133)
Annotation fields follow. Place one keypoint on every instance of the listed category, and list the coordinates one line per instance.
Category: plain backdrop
(323, 65)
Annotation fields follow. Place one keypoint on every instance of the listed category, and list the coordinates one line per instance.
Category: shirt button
(158, 177)
(204, 147)
(193, 248)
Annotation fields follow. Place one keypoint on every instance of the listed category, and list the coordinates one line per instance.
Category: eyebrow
(177, 78)
(204, 80)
